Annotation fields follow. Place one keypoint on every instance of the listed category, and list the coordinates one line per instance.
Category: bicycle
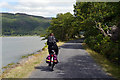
(52, 60)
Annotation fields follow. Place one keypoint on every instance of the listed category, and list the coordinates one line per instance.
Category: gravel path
(74, 62)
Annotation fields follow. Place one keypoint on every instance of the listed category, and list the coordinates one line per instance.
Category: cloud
(3, 4)
(45, 8)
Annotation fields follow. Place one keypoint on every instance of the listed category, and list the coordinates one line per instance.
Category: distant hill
(23, 24)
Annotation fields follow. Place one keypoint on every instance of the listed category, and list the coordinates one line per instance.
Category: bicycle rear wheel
(52, 62)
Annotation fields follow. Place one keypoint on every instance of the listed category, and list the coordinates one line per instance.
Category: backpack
(51, 40)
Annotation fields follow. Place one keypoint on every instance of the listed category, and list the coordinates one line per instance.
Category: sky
(46, 8)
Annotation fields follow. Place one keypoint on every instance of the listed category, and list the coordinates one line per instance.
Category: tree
(62, 26)
(97, 20)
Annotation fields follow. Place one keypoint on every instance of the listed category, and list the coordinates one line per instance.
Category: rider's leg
(53, 65)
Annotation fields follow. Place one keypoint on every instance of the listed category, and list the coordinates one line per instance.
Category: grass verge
(110, 68)
(24, 69)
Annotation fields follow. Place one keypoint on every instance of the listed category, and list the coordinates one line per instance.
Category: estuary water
(13, 48)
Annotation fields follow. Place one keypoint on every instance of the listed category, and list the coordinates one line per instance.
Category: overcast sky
(46, 8)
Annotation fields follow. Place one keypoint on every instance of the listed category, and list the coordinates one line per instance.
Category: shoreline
(22, 36)
(21, 60)
(20, 63)
(22, 68)
(20, 57)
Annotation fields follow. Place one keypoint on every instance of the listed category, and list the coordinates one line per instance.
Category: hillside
(23, 24)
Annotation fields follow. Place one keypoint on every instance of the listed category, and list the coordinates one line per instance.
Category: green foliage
(23, 24)
(104, 13)
(63, 26)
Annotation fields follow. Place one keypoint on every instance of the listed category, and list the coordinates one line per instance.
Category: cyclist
(51, 42)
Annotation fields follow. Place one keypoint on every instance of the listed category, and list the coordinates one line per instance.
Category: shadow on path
(76, 41)
(81, 66)
(72, 46)
(43, 68)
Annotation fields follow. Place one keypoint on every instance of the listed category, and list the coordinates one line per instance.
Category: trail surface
(74, 62)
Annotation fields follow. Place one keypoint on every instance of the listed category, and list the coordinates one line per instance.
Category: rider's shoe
(49, 65)
(52, 69)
